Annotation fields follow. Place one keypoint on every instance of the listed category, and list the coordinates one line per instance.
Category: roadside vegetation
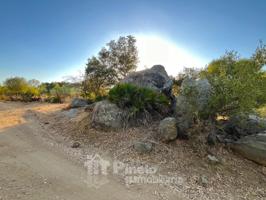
(262, 111)
(137, 100)
(113, 63)
(19, 89)
(124, 113)
(238, 84)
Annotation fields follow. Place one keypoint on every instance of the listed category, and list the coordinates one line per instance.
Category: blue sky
(48, 39)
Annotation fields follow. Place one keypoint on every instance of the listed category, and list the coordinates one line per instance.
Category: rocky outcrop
(240, 126)
(77, 103)
(107, 115)
(167, 129)
(155, 78)
(252, 147)
(194, 98)
(184, 116)
(194, 94)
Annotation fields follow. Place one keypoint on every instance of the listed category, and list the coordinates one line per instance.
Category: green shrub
(18, 88)
(60, 93)
(137, 100)
(100, 98)
(92, 97)
(53, 99)
(262, 111)
(238, 85)
(15, 87)
(3, 91)
(29, 93)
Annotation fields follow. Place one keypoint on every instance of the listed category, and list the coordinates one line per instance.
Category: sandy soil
(49, 130)
(33, 167)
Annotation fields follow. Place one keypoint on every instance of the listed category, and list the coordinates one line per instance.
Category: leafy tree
(121, 55)
(98, 77)
(111, 65)
(58, 93)
(61, 91)
(193, 73)
(16, 86)
(260, 55)
(20, 88)
(29, 93)
(45, 88)
(34, 83)
(3, 91)
(238, 84)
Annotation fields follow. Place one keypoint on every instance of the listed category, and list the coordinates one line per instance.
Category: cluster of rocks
(107, 114)
(239, 127)
(245, 135)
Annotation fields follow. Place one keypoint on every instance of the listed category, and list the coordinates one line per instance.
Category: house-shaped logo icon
(96, 165)
(97, 170)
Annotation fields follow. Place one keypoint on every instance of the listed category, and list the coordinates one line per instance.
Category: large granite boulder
(155, 78)
(195, 93)
(167, 129)
(252, 147)
(77, 103)
(194, 98)
(107, 115)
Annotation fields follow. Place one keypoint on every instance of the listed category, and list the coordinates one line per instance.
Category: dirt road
(37, 161)
(29, 169)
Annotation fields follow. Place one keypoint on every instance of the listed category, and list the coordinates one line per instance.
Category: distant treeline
(19, 89)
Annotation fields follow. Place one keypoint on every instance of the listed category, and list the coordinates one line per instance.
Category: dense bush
(30, 93)
(262, 111)
(16, 86)
(2, 90)
(137, 100)
(58, 94)
(3, 93)
(100, 98)
(19, 89)
(230, 86)
(238, 84)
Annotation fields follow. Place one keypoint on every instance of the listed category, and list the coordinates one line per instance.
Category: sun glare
(156, 50)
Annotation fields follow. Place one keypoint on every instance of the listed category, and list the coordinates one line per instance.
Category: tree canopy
(112, 64)
(238, 83)
(16, 85)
